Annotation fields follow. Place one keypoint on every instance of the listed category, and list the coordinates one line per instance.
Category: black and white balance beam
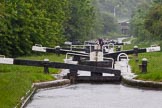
(58, 50)
(140, 50)
(59, 65)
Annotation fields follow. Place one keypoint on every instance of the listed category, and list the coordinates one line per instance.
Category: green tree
(81, 20)
(157, 1)
(26, 22)
(153, 22)
(109, 23)
(138, 20)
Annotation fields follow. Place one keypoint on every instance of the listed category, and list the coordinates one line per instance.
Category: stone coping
(129, 78)
(141, 83)
(36, 86)
(55, 83)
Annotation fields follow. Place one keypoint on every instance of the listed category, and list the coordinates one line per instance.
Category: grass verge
(15, 81)
(154, 68)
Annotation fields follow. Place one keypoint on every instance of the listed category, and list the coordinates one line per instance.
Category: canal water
(96, 96)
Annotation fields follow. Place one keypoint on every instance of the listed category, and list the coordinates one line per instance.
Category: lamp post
(115, 10)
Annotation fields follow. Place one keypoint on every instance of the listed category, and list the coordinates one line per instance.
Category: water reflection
(97, 96)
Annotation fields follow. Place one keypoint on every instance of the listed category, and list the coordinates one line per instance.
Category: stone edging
(129, 78)
(141, 83)
(25, 100)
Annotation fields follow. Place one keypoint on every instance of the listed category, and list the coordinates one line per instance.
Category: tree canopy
(24, 23)
(147, 21)
(110, 12)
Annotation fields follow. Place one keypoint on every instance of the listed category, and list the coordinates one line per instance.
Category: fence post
(57, 48)
(118, 48)
(46, 63)
(144, 65)
(136, 53)
(74, 72)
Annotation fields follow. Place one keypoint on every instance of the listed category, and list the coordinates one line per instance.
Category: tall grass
(15, 81)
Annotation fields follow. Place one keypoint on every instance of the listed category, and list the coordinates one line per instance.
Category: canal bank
(129, 78)
(42, 85)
